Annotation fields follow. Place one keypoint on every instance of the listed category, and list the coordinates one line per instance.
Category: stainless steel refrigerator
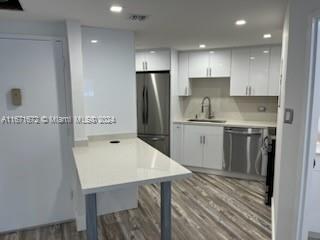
(153, 109)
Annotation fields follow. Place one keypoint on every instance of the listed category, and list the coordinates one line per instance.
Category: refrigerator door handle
(147, 106)
(143, 105)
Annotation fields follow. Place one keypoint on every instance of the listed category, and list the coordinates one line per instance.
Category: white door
(198, 64)
(178, 143)
(274, 75)
(158, 60)
(35, 159)
(220, 63)
(213, 149)
(259, 71)
(192, 145)
(240, 64)
(184, 88)
(140, 61)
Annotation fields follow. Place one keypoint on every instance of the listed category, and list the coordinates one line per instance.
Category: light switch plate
(288, 115)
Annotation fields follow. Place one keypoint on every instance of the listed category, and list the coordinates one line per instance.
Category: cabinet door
(274, 74)
(213, 148)
(193, 148)
(259, 71)
(158, 60)
(240, 65)
(140, 60)
(220, 63)
(199, 64)
(177, 146)
(184, 88)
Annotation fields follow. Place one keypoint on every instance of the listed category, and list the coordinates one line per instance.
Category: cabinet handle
(142, 65)
(210, 72)
(204, 140)
(246, 90)
(250, 88)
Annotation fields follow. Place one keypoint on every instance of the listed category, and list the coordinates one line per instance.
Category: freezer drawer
(159, 142)
(243, 150)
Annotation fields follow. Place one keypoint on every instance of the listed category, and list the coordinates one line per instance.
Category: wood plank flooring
(204, 207)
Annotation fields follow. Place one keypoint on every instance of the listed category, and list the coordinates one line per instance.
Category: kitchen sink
(207, 120)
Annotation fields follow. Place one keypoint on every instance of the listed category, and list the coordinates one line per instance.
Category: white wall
(109, 78)
(56, 29)
(290, 140)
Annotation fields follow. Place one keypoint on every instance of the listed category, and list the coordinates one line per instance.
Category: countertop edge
(230, 124)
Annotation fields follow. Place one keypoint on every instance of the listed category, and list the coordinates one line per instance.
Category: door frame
(313, 45)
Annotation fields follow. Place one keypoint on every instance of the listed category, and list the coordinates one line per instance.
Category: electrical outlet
(262, 109)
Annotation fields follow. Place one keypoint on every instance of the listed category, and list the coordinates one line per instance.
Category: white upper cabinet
(275, 71)
(153, 60)
(220, 63)
(259, 71)
(210, 64)
(199, 64)
(184, 88)
(255, 71)
(140, 61)
(240, 68)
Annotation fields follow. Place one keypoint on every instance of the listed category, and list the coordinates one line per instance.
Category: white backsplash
(226, 107)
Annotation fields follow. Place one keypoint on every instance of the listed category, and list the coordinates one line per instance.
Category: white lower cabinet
(177, 140)
(203, 146)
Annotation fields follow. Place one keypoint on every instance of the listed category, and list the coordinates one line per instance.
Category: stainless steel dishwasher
(243, 150)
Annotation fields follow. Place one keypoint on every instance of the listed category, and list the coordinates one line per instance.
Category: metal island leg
(166, 211)
(91, 217)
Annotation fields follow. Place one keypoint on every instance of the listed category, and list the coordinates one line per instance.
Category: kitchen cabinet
(259, 71)
(275, 71)
(153, 60)
(203, 146)
(210, 64)
(240, 68)
(255, 71)
(177, 140)
(184, 84)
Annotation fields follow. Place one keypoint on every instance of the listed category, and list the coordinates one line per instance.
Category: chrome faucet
(209, 115)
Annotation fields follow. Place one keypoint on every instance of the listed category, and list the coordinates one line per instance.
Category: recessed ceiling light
(241, 22)
(252, 58)
(202, 46)
(266, 51)
(267, 35)
(152, 52)
(211, 52)
(94, 41)
(116, 8)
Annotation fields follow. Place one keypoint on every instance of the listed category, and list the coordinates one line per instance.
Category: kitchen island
(104, 166)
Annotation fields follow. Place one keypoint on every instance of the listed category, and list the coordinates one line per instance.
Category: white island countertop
(232, 123)
(103, 166)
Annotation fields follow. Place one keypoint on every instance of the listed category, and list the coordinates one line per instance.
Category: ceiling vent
(136, 17)
(10, 5)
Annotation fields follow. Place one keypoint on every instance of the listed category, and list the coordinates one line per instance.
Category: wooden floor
(203, 207)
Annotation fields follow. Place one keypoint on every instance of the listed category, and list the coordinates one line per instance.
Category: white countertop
(104, 166)
(232, 123)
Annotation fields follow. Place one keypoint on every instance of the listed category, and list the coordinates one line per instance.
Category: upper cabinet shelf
(253, 71)
(153, 60)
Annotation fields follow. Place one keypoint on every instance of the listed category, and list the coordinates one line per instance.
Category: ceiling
(182, 24)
